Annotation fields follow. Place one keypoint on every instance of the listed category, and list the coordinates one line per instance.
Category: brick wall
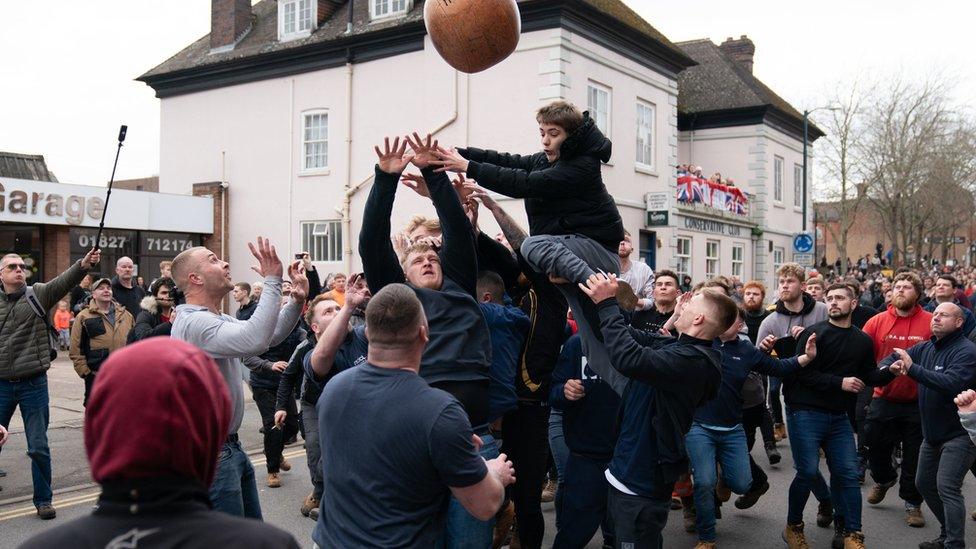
(57, 250)
(228, 21)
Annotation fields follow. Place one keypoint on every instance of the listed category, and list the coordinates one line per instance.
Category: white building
(284, 101)
(730, 122)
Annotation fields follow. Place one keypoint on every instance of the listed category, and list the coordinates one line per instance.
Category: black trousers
(887, 424)
(582, 503)
(637, 521)
(753, 418)
(274, 439)
(526, 442)
(89, 383)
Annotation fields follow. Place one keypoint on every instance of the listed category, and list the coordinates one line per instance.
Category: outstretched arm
(505, 160)
(380, 262)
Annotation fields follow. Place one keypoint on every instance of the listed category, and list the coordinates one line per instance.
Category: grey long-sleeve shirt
(227, 340)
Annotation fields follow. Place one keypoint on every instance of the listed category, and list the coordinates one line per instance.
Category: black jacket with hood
(565, 197)
(149, 323)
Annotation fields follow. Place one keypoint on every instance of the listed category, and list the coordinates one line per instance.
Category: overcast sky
(68, 67)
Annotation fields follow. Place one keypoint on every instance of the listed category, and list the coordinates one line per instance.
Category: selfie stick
(101, 224)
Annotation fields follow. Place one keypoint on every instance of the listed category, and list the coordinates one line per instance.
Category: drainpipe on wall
(350, 189)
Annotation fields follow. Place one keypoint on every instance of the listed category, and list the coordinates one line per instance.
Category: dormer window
(382, 9)
(295, 18)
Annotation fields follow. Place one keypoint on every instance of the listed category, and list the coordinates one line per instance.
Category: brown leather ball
(473, 35)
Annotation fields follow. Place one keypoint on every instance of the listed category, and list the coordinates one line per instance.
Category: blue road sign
(803, 243)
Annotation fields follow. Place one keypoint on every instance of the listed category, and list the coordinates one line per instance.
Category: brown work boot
(285, 466)
(504, 520)
(779, 431)
(273, 480)
(878, 491)
(794, 537)
(854, 540)
(914, 518)
(705, 545)
(549, 492)
(309, 504)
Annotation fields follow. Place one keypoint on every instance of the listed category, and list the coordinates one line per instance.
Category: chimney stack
(741, 51)
(229, 21)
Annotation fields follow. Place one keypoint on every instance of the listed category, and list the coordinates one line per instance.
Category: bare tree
(842, 169)
(904, 121)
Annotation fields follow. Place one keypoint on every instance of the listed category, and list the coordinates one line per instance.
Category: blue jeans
(560, 455)
(941, 470)
(234, 490)
(809, 431)
(32, 397)
(706, 447)
(462, 530)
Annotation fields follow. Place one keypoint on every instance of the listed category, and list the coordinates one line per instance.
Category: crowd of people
(438, 391)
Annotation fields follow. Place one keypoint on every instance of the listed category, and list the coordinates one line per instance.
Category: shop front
(52, 224)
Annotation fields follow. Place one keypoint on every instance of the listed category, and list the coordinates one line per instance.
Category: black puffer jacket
(262, 376)
(565, 197)
(149, 323)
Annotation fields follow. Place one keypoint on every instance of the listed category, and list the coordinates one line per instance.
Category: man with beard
(794, 311)
(753, 301)
(666, 292)
(818, 398)
(636, 273)
(893, 416)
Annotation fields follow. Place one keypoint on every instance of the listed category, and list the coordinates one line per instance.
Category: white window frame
(299, 6)
(307, 169)
(644, 140)
(682, 258)
(322, 239)
(778, 168)
(738, 260)
(602, 119)
(779, 257)
(386, 9)
(713, 261)
(797, 186)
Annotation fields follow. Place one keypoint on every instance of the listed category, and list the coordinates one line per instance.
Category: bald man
(943, 366)
(124, 287)
(205, 281)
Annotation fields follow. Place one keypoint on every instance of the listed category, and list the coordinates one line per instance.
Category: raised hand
(600, 287)
(966, 401)
(683, 301)
(91, 258)
(481, 195)
(423, 150)
(400, 243)
(357, 292)
(461, 188)
(852, 385)
(393, 160)
(416, 183)
(449, 161)
(299, 282)
(502, 468)
(471, 211)
(904, 357)
(269, 264)
(811, 347)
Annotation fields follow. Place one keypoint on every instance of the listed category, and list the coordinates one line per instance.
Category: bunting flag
(716, 195)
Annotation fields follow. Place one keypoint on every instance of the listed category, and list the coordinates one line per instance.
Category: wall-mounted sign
(714, 227)
(657, 218)
(657, 201)
(47, 203)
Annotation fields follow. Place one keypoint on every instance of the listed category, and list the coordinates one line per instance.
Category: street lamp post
(806, 124)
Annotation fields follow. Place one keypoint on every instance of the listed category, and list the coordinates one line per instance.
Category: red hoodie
(890, 331)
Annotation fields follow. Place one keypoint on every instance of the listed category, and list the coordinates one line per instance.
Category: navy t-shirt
(395, 446)
(352, 352)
